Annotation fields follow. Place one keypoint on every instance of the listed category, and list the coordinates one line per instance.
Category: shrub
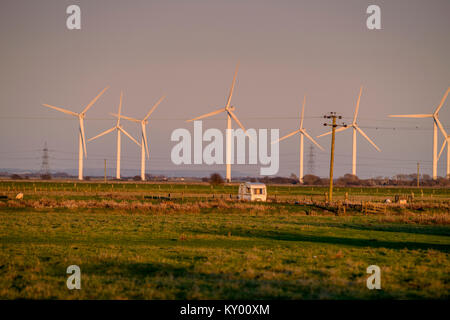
(215, 179)
(311, 179)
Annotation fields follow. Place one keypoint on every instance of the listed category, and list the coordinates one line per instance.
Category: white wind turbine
(119, 129)
(144, 143)
(302, 132)
(81, 136)
(356, 128)
(436, 123)
(229, 111)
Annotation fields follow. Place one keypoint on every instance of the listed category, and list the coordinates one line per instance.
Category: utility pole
(418, 174)
(333, 116)
(105, 170)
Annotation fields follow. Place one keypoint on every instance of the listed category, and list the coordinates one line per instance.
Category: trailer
(251, 191)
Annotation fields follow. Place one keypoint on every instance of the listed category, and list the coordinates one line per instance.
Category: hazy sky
(188, 51)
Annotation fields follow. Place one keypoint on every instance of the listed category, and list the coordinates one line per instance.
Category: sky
(188, 50)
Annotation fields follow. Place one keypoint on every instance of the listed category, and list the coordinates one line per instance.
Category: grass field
(130, 247)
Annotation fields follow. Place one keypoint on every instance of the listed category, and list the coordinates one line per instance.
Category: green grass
(255, 252)
(97, 190)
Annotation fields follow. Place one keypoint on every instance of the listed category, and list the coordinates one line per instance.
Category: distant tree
(443, 182)
(205, 179)
(216, 179)
(312, 180)
(137, 178)
(348, 180)
(264, 180)
(46, 177)
(16, 177)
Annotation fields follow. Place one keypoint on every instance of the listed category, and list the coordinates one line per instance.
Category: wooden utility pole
(418, 174)
(333, 125)
(333, 138)
(105, 170)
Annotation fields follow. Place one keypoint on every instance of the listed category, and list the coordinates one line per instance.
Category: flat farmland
(134, 241)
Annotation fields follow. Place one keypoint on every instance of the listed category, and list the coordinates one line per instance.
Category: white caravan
(252, 191)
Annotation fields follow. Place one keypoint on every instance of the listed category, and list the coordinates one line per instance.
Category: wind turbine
(436, 123)
(144, 144)
(302, 132)
(81, 136)
(230, 115)
(356, 128)
(119, 130)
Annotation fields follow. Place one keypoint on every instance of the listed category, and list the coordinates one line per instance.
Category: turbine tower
(81, 136)
(436, 123)
(119, 130)
(356, 129)
(230, 115)
(144, 143)
(302, 132)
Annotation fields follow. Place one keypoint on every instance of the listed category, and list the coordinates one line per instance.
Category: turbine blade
(102, 134)
(287, 136)
(93, 101)
(144, 135)
(368, 139)
(83, 137)
(442, 101)
(237, 121)
(125, 117)
(357, 105)
(240, 124)
(232, 87)
(129, 136)
(442, 148)
(441, 127)
(61, 109)
(207, 115)
(312, 140)
(303, 112)
(120, 108)
(410, 115)
(154, 107)
(329, 132)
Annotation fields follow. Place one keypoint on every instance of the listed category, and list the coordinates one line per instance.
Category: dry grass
(417, 218)
(161, 207)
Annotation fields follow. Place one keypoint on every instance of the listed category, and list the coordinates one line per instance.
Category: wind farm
(177, 207)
